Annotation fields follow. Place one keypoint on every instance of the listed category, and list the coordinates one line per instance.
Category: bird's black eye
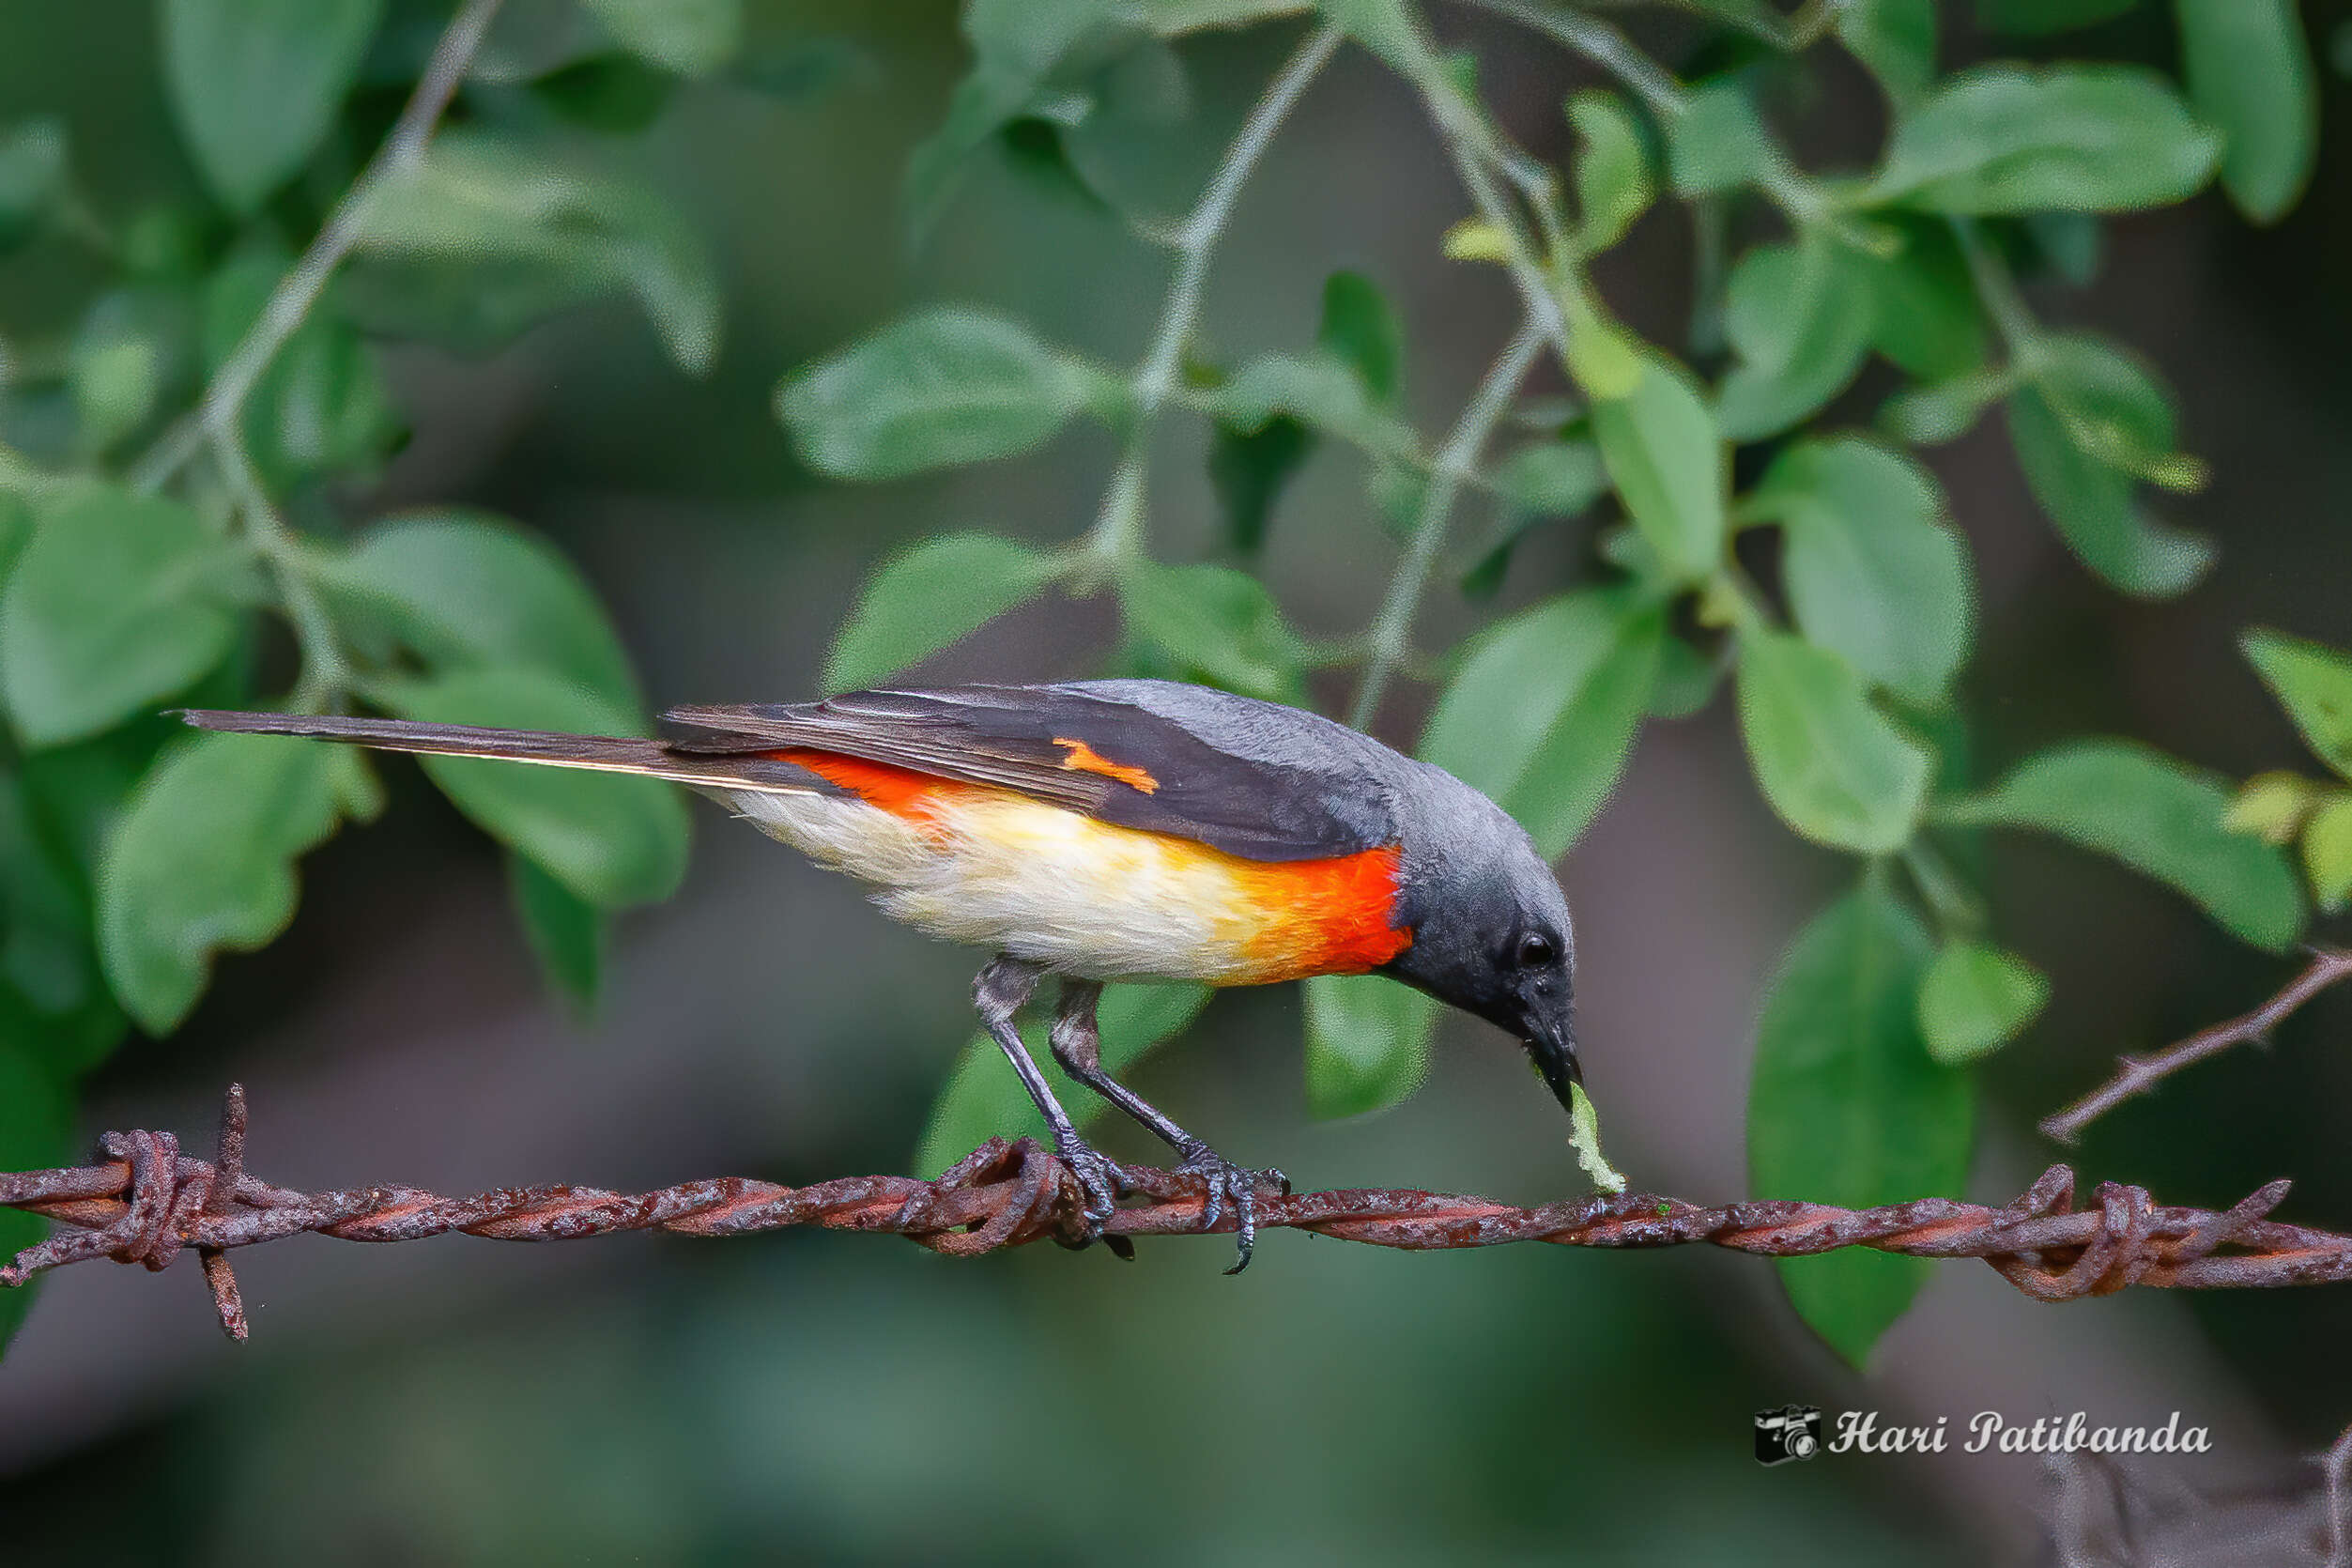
(1536, 950)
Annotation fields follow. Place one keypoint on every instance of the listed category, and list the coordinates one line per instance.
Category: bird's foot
(1100, 1183)
(1234, 1187)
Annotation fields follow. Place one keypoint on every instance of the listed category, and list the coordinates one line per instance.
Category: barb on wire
(145, 1202)
(2137, 1075)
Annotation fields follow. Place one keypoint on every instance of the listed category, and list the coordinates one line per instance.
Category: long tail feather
(603, 753)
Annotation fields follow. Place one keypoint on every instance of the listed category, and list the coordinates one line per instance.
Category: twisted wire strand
(146, 1202)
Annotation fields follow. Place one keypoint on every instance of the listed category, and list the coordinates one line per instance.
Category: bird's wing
(1114, 760)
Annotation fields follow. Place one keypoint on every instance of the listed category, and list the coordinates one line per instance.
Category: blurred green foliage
(168, 516)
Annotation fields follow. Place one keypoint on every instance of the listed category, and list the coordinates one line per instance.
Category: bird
(1092, 831)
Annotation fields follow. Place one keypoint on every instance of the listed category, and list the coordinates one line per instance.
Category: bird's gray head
(1490, 925)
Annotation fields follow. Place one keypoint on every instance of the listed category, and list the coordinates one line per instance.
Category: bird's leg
(1078, 1046)
(998, 993)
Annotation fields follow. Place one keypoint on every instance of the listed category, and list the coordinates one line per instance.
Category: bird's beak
(1554, 1053)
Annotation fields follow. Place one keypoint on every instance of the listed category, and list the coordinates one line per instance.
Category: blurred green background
(841, 1399)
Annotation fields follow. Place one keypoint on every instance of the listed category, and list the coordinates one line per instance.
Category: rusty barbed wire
(146, 1202)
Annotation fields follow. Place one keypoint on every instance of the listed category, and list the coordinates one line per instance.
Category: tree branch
(290, 303)
(1118, 527)
(1456, 462)
(146, 1202)
(2137, 1075)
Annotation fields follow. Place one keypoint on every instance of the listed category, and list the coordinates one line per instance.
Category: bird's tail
(762, 772)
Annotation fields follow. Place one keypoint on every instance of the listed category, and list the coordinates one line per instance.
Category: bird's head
(1491, 933)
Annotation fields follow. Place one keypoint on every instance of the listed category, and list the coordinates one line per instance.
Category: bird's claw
(1234, 1186)
(1099, 1183)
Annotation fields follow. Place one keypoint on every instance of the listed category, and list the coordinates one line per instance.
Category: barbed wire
(145, 1203)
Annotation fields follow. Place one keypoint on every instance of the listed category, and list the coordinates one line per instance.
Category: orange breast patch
(1324, 917)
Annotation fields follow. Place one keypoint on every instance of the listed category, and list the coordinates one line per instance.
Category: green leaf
(255, 83)
(1873, 570)
(1036, 59)
(693, 38)
(612, 839)
(1669, 464)
(2003, 138)
(1895, 40)
(1976, 998)
(1799, 318)
(2157, 816)
(1017, 46)
(33, 177)
(1923, 315)
(1612, 171)
(565, 932)
(1687, 679)
(202, 861)
(462, 588)
(2028, 17)
(118, 600)
(1362, 332)
(1367, 1042)
(1390, 29)
(983, 1100)
(616, 93)
(2251, 78)
(2314, 683)
(36, 1134)
(1932, 415)
(534, 236)
(940, 387)
(1551, 479)
(1834, 767)
(1216, 623)
(1717, 143)
(1539, 481)
(2327, 855)
(926, 596)
(1846, 1107)
(53, 994)
(2272, 807)
(16, 532)
(2088, 424)
(1320, 388)
(115, 372)
(1542, 712)
(1249, 468)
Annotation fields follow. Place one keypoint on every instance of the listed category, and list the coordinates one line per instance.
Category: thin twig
(146, 1202)
(2335, 1465)
(1393, 628)
(326, 673)
(2137, 1075)
(290, 302)
(1598, 41)
(1118, 528)
(1605, 47)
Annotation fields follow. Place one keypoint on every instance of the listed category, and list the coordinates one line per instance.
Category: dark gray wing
(1114, 760)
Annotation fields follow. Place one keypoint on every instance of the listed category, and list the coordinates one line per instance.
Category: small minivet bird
(1100, 830)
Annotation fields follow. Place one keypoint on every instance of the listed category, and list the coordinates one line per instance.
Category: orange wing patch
(1086, 758)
